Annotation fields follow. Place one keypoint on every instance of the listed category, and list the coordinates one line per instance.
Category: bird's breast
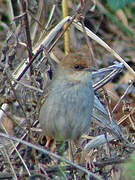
(66, 113)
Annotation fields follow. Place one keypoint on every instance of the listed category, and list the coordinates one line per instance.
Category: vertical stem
(66, 34)
(27, 30)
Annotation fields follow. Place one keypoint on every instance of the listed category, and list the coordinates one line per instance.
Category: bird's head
(75, 62)
(74, 66)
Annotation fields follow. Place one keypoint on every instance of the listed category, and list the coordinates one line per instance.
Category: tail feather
(100, 114)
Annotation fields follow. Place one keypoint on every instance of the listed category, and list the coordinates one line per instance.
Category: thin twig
(30, 63)
(43, 150)
(91, 54)
(37, 20)
(50, 16)
(122, 97)
(7, 156)
(11, 141)
(26, 23)
(71, 19)
(19, 102)
(28, 86)
(11, 13)
(103, 44)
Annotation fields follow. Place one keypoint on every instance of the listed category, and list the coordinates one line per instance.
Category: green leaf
(117, 4)
(130, 168)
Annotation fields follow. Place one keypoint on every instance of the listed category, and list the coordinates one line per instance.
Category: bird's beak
(89, 69)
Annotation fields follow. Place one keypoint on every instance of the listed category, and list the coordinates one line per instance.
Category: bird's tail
(100, 114)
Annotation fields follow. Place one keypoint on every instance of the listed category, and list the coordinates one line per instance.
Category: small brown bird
(70, 103)
(66, 112)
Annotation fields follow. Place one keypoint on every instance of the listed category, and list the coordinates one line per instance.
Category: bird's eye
(76, 66)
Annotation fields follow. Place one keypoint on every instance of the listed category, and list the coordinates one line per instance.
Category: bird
(67, 110)
(71, 103)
